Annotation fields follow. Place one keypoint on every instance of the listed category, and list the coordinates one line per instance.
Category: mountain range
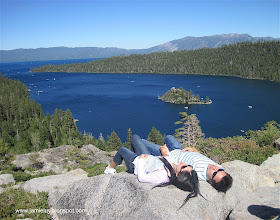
(187, 43)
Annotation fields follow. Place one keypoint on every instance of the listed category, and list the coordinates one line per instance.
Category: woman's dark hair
(187, 181)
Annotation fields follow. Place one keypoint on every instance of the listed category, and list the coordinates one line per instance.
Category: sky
(130, 24)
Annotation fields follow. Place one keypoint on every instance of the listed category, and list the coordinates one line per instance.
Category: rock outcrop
(57, 159)
(54, 182)
(277, 143)
(6, 179)
(254, 195)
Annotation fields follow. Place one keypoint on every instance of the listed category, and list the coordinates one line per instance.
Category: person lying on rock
(206, 168)
(155, 169)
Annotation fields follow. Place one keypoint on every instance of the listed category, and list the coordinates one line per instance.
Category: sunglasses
(215, 173)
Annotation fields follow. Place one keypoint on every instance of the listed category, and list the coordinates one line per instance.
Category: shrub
(42, 174)
(15, 201)
(95, 170)
(267, 135)
(235, 148)
(20, 176)
(99, 168)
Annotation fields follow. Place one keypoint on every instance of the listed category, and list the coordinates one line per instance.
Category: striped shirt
(198, 161)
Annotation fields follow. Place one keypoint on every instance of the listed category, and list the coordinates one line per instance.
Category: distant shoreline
(245, 60)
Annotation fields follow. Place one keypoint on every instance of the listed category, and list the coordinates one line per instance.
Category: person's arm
(158, 176)
(190, 149)
(164, 150)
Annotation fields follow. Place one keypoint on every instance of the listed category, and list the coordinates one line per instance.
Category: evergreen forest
(23, 125)
(259, 60)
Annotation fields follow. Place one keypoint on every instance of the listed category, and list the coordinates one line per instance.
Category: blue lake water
(107, 102)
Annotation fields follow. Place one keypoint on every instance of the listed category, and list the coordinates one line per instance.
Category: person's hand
(143, 156)
(187, 149)
(164, 150)
(190, 149)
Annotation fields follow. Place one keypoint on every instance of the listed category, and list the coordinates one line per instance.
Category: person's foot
(109, 170)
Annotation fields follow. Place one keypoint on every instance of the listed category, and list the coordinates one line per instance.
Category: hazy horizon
(131, 48)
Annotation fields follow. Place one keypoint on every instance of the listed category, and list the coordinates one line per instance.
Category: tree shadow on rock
(263, 211)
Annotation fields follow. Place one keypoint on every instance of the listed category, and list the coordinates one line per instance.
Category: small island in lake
(181, 96)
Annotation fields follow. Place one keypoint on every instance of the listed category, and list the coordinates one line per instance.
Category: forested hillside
(23, 125)
(247, 60)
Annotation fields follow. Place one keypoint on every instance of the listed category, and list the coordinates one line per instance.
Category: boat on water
(249, 106)
(186, 107)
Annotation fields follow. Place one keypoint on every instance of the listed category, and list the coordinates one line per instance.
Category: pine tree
(198, 97)
(127, 144)
(101, 145)
(113, 142)
(155, 136)
(55, 124)
(35, 140)
(101, 138)
(190, 95)
(89, 138)
(190, 133)
(68, 122)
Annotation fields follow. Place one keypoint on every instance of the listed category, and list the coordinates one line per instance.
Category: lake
(107, 102)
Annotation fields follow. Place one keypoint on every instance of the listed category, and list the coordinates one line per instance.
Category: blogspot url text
(51, 211)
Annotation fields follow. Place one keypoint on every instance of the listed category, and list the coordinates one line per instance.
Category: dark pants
(171, 142)
(137, 148)
(141, 146)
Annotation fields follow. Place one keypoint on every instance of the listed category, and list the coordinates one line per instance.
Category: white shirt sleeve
(157, 176)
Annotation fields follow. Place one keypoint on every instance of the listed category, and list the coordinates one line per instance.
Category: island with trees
(246, 60)
(181, 96)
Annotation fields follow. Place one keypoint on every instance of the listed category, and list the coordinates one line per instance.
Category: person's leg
(172, 143)
(153, 148)
(127, 155)
(138, 146)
